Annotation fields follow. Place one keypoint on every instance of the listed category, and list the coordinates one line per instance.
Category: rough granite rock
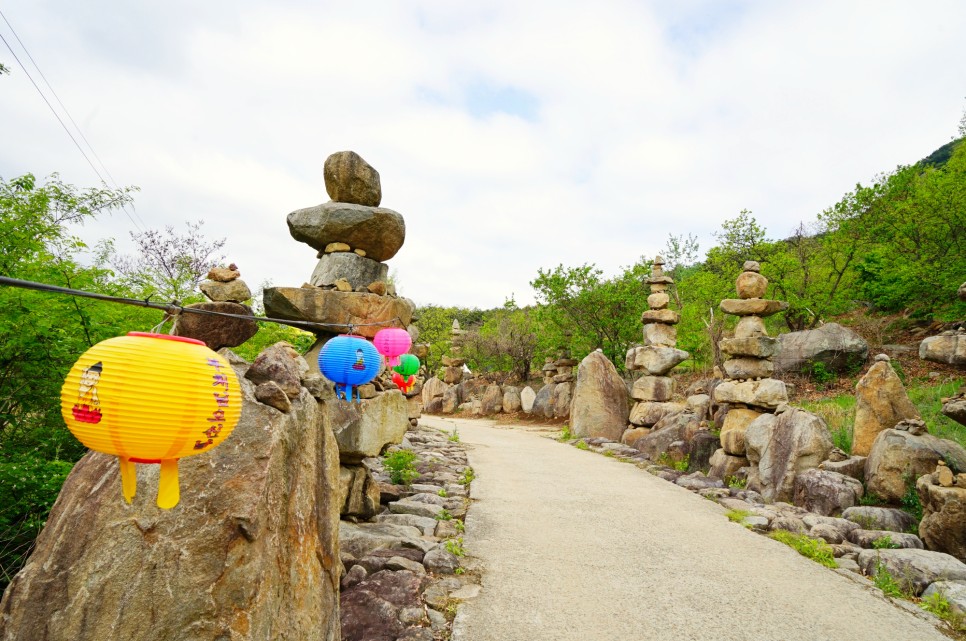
(880, 402)
(665, 432)
(826, 493)
(270, 393)
(216, 331)
(853, 466)
(914, 569)
(599, 406)
(660, 334)
(752, 306)
(342, 308)
(370, 610)
(250, 553)
(543, 402)
(743, 368)
(657, 360)
(724, 465)
(867, 538)
(511, 399)
(733, 429)
(955, 408)
(362, 429)
(647, 413)
(767, 393)
(279, 363)
(871, 517)
(953, 591)
(492, 401)
(783, 446)
(837, 348)
(653, 388)
(527, 397)
(350, 179)
(899, 455)
(948, 349)
(432, 388)
(378, 231)
(756, 346)
(358, 492)
(666, 316)
(561, 399)
(750, 327)
(234, 291)
(751, 285)
(358, 271)
(943, 525)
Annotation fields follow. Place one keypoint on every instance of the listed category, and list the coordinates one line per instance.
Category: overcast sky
(512, 136)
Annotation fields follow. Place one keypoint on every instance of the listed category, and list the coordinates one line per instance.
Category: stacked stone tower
(658, 356)
(354, 237)
(748, 388)
(454, 362)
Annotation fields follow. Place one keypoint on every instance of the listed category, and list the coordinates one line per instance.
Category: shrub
(400, 466)
(815, 549)
(885, 542)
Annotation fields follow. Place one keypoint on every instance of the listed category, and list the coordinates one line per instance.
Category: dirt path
(579, 546)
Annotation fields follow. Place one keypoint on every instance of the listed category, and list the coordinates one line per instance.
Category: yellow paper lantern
(151, 398)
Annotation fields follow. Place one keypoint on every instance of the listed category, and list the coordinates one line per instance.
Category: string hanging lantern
(404, 374)
(391, 342)
(349, 361)
(151, 398)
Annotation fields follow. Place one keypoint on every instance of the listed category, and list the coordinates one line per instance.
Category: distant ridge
(939, 157)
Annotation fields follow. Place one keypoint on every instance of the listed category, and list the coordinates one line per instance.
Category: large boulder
(492, 401)
(948, 348)
(647, 413)
(955, 407)
(826, 493)
(527, 397)
(433, 388)
(280, 364)
(561, 399)
(358, 270)
(543, 402)
(899, 457)
(943, 525)
(358, 492)
(880, 403)
(724, 465)
(350, 179)
(873, 517)
(340, 309)
(783, 446)
(378, 231)
(511, 399)
(376, 607)
(666, 431)
(914, 569)
(216, 331)
(451, 399)
(837, 348)
(251, 552)
(768, 393)
(599, 407)
(364, 428)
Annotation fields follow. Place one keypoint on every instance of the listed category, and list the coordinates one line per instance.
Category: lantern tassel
(168, 492)
(129, 478)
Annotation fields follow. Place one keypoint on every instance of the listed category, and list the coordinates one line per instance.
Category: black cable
(173, 308)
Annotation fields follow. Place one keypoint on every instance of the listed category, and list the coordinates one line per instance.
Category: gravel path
(579, 546)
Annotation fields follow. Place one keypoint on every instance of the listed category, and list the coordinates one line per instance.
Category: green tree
(506, 341)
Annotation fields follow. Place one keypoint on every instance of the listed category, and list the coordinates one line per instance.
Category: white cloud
(626, 120)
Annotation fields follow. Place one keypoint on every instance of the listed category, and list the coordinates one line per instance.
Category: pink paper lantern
(391, 343)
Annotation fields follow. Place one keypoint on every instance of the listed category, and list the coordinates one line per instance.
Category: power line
(174, 308)
(59, 119)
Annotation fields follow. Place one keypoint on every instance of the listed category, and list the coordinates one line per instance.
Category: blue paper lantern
(349, 361)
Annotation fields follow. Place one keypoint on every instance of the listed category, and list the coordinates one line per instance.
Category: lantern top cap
(167, 337)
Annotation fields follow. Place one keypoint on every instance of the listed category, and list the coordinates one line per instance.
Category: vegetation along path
(576, 545)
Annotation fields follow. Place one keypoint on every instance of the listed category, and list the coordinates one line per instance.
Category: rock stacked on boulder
(349, 287)
(226, 292)
(657, 357)
(881, 402)
(943, 498)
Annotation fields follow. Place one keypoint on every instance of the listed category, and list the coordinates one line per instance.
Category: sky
(512, 136)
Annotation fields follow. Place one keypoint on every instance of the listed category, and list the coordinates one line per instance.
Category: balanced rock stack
(454, 362)
(226, 292)
(748, 391)
(354, 237)
(658, 356)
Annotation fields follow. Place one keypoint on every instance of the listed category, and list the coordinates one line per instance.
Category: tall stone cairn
(658, 356)
(748, 389)
(454, 361)
(562, 378)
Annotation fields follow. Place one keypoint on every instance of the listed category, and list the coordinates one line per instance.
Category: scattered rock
(837, 348)
(943, 525)
(280, 364)
(880, 518)
(364, 428)
(914, 569)
(752, 306)
(224, 274)
(826, 493)
(338, 308)
(948, 349)
(867, 538)
(271, 394)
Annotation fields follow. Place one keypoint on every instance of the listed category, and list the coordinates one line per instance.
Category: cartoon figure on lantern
(87, 408)
(360, 363)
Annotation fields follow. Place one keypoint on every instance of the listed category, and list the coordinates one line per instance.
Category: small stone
(745, 368)
(882, 358)
(235, 291)
(367, 391)
(360, 252)
(751, 285)
(224, 274)
(751, 266)
(350, 179)
(750, 327)
(378, 287)
(944, 476)
(271, 394)
(336, 247)
(659, 300)
(666, 316)
(342, 285)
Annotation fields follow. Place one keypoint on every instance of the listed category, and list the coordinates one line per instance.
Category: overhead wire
(61, 121)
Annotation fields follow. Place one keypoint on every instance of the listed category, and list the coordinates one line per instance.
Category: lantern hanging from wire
(349, 361)
(391, 343)
(404, 374)
(151, 398)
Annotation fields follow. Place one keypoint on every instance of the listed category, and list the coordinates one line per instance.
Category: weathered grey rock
(632, 435)
(350, 179)
(358, 492)
(364, 428)
(451, 399)
(338, 308)
(653, 388)
(750, 327)
(543, 402)
(880, 402)
(953, 591)
(511, 399)
(836, 347)
(441, 561)
(658, 300)
(425, 524)
(724, 465)
(756, 346)
(452, 375)
(701, 447)
(744, 367)
(955, 408)
(359, 271)
(527, 397)
(647, 413)
(599, 407)
(666, 316)
(235, 291)
(561, 399)
(853, 466)
(224, 274)
(699, 405)
(361, 539)
(657, 360)
(733, 429)
(831, 533)
(378, 231)
(492, 401)
(751, 285)
(272, 395)
(752, 306)
(899, 457)
(767, 393)
(255, 532)
(826, 493)
(409, 505)
(279, 363)
(914, 569)
(943, 525)
(783, 446)
(372, 608)
(216, 331)
(948, 349)
(872, 517)
(901, 540)
(660, 334)
(665, 432)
